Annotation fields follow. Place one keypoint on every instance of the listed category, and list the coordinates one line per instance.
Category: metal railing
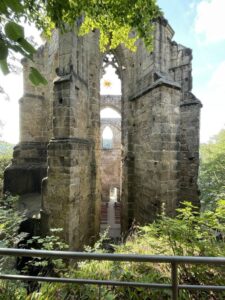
(174, 261)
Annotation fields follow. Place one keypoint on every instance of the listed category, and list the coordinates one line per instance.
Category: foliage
(47, 266)
(12, 290)
(12, 37)
(212, 171)
(10, 220)
(5, 158)
(190, 233)
(115, 19)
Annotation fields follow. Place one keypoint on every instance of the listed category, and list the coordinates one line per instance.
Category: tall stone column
(67, 191)
(24, 176)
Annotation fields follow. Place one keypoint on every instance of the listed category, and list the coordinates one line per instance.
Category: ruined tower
(57, 160)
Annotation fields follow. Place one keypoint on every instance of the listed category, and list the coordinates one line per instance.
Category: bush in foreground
(6, 150)
(190, 233)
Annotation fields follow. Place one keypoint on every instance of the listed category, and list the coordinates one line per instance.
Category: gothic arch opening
(110, 130)
(107, 138)
(110, 111)
(110, 82)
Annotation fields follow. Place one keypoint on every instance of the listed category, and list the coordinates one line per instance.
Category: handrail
(174, 261)
(113, 257)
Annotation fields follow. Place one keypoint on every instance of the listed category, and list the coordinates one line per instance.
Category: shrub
(5, 158)
(190, 233)
(212, 175)
(10, 221)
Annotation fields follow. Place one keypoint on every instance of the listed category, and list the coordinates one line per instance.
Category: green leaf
(3, 50)
(3, 7)
(27, 46)
(15, 5)
(33, 79)
(19, 49)
(36, 78)
(4, 66)
(14, 31)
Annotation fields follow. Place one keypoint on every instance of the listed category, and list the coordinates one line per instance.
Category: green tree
(12, 37)
(119, 21)
(212, 171)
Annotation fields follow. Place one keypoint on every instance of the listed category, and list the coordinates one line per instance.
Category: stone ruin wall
(58, 157)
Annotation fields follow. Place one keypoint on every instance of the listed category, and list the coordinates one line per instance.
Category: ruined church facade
(58, 157)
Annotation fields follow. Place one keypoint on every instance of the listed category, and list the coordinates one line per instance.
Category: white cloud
(217, 79)
(213, 99)
(210, 20)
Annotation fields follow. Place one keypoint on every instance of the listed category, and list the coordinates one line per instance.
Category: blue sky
(198, 24)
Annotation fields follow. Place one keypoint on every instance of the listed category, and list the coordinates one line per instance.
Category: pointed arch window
(110, 83)
(107, 138)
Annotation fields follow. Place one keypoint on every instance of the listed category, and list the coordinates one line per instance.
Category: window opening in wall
(113, 194)
(107, 138)
(110, 117)
(109, 113)
(110, 83)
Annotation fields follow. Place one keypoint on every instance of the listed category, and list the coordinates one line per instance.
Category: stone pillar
(69, 190)
(28, 168)
(94, 60)
(152, 159)
(66, 199)
(170, 148)
(190, 126)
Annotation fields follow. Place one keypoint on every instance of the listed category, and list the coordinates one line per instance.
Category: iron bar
(114, 257)
(173, 260)
(202, 287)
(86, 281)
(99, 292)
(111, 282)
(174, 281)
